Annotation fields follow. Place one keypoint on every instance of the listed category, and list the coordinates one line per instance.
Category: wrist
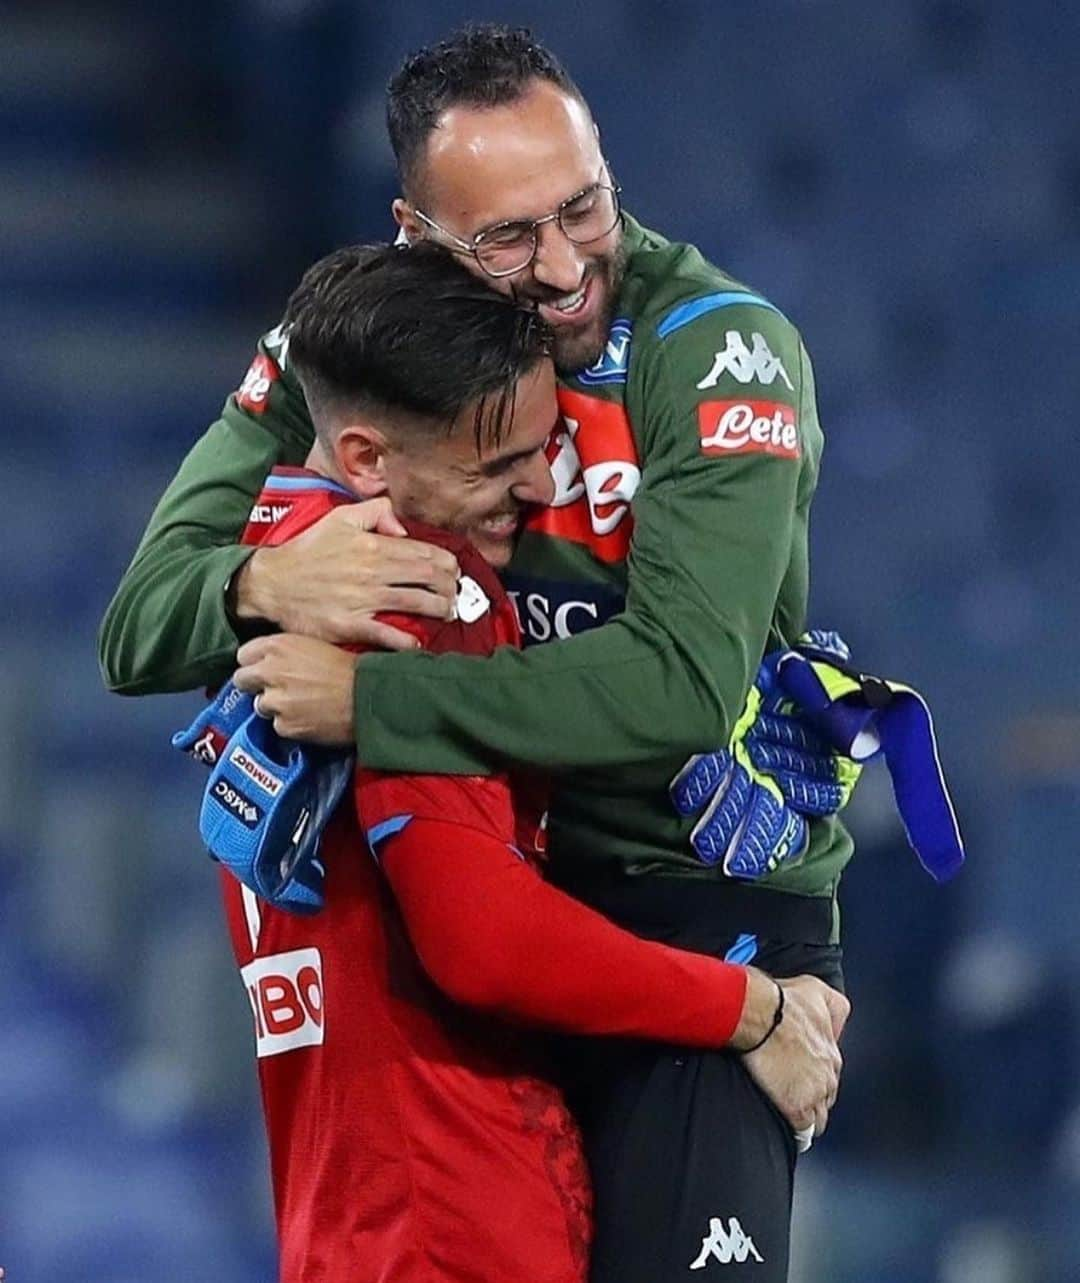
(778, 1016)
(763, 1010)
(250, 594)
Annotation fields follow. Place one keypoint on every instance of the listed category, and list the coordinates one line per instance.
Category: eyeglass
(510, 247)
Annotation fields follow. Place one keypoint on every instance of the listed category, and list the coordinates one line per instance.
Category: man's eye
(580, 209)
(506, 237)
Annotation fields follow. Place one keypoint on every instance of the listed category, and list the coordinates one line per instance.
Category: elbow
(115, 673)
(466, 976)
(123, 664)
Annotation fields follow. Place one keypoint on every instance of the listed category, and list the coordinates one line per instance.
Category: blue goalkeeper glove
(863, 716)
(754, 795)
(266, 804)
(809, 725)
(206, 737)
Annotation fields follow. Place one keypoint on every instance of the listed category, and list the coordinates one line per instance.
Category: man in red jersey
(414, 1139)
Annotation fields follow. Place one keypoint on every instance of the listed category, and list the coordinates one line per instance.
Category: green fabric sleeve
(167, 627)
(714, 540)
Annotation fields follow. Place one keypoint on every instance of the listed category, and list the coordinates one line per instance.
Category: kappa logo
(256, 773)
(745, 364)
(726, 1245)
(748, 427)
(253, 394)
(233, 800)
(269, 514)
(614, 361)
(287, 1000)
(594, 465)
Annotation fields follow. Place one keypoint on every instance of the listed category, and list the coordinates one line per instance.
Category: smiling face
(446, 480)
(484, 166)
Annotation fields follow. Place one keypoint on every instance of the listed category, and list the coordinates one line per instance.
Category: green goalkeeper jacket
(674, 555)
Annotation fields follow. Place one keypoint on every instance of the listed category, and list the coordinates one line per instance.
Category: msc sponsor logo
(614, 360)
(594, 465)
(745, 364)
(748, 427)
(253, 394)
(233, 800)
(258, 774)
(547, 610)
(286, 995)
(268, 514)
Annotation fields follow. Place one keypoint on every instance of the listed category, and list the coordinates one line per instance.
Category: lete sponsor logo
(253, 394)
(286, 995)
(594, 465)
(748, 427)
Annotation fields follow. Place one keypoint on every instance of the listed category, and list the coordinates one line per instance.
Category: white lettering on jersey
(268, 514)
(609, 486)
(541, 619)
(286, 995)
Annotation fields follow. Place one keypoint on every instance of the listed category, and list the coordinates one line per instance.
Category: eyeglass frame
(470, 247)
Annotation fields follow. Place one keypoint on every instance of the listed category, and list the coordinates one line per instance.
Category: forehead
(535, 411)
(487, 165)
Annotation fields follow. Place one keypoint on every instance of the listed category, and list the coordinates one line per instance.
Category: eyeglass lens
(583, 218)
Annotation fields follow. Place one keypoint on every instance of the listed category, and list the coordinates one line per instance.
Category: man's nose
(534, 483)
(557, 263)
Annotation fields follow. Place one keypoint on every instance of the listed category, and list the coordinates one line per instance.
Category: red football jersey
(411, 1140)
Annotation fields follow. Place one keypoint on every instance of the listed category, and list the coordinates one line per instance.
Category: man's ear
(360, 455)
(409, 225)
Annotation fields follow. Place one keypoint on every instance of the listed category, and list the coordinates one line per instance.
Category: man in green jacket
(673, 556)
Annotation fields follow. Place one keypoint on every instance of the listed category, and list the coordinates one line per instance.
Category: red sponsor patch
(594, 464)
(253, 394)
(748, 427)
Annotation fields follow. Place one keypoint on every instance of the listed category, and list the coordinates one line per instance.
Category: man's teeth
(500, 522)
(570, 302)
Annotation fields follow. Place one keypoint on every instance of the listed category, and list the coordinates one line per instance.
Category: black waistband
(695, 913)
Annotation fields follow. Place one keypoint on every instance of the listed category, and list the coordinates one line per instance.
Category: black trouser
(692, 1165)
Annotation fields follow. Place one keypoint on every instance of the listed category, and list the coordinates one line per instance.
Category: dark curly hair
(481, 66)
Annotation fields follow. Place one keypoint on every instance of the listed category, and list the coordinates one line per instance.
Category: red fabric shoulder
(291, 500)
(294, 499)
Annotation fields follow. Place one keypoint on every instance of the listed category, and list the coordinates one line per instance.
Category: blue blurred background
(903, 179)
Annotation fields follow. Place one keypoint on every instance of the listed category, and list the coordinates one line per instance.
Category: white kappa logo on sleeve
(726, 1245)
(745, 364)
